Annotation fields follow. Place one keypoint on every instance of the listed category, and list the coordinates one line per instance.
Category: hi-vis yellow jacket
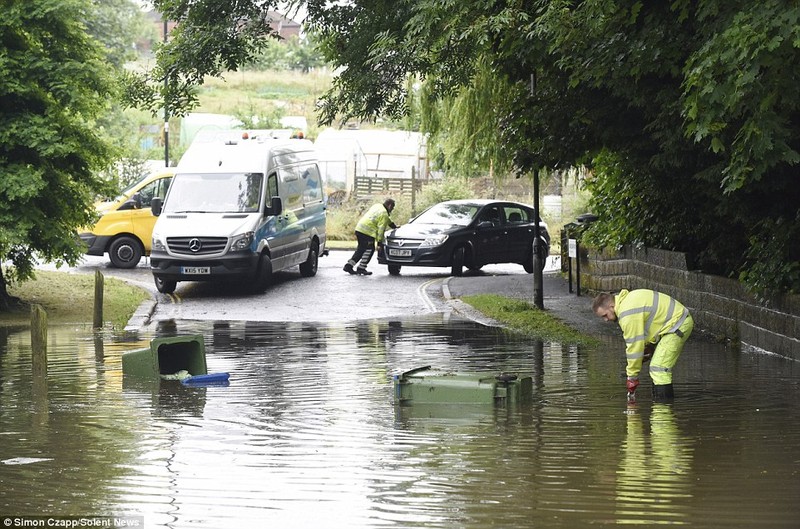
(645, 316)
(374, 222)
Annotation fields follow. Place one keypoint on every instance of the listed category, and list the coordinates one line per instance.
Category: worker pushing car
(648, 319)
(370, 228)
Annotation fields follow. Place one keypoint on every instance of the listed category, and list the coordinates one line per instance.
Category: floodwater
(306, 434)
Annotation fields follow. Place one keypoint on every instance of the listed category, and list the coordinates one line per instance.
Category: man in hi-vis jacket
(370, 228)
(648, 318)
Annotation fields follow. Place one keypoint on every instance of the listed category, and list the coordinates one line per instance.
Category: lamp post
(166, 108)
(538, 294)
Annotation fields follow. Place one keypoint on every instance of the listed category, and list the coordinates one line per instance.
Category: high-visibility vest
(645, 316)
(374, 222)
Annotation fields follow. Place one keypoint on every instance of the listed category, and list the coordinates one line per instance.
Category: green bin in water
(167, 356)
(425, 386)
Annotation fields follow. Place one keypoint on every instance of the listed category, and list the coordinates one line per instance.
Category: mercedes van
(241, 206)
(125, 227)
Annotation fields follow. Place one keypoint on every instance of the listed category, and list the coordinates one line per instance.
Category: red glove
(632, 383)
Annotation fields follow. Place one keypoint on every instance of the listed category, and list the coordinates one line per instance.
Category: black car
(466, 233)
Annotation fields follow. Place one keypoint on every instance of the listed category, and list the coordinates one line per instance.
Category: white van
(241, 205)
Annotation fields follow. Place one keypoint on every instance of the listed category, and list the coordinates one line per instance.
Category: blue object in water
(217, 379)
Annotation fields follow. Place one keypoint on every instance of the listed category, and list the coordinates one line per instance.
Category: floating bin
(425, 386)
(167, 356)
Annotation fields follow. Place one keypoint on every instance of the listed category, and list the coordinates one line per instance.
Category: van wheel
(263, 274)
(165, 286)
(457, 262)
(125, 252)
(394, 270)
(309, 268)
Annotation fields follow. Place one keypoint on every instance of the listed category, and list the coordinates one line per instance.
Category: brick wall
(719, 306)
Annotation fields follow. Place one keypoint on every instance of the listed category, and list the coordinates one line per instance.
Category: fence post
(98, 299)
(413, 191)
(39, 342)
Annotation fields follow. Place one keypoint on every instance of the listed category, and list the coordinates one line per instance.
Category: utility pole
(538, 294)
(166, 108)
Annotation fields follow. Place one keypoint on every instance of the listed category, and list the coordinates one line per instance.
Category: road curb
(465, 309)
(142, 315)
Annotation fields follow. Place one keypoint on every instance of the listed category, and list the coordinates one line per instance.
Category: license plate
(399, 253)
(195, 270)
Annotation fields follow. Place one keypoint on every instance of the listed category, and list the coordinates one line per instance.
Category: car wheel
(309, 268)
(125, 252)
(165, 286)
(394, 270)
(457, 262)
(528, 263)
(263, 274)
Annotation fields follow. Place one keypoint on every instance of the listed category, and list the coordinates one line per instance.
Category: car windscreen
(449, 214)
(215, 193)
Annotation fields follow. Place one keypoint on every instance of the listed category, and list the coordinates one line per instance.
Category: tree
(212, 37)
(116, 24)
(54, 84)
(686, 111)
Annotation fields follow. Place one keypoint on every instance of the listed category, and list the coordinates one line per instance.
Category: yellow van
(124, 230)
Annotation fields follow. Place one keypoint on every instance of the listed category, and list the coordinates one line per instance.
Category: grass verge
(522, 317)
(69, 298)
(341, 245)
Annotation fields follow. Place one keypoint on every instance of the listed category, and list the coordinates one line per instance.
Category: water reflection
(655, 474)
(307, 434)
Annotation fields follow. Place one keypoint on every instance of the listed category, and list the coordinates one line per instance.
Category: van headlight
(242, 242)
(157, 245)
(438, 240)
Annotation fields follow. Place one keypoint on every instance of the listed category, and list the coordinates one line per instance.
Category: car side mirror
(155, 206)
(485, 224)
(275, 206)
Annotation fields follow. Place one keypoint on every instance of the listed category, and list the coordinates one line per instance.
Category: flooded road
(307, 435)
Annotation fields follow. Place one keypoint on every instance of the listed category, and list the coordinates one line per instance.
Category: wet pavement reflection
(307, 435)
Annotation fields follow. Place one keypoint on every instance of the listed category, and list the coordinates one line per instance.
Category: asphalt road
(333, 295)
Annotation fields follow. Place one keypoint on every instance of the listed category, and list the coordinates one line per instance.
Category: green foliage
(686, 110)
(213, 37)
(773, 259)
(292, 54)
(342, 219)
(465, 126)
(451, 188)
(55, 85)
(115, 24)
(739, 92)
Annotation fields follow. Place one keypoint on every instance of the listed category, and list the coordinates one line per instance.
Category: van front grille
(197, 245)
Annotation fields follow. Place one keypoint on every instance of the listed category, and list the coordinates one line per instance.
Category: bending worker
(370, 228)
(648, 318)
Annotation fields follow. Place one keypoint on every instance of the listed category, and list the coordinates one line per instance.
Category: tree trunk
(7, 302)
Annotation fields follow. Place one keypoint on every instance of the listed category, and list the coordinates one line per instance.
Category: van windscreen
(215, 193)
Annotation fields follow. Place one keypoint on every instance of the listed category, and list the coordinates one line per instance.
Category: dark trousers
(364, 251)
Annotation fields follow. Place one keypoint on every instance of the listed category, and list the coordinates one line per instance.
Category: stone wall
(719, 306)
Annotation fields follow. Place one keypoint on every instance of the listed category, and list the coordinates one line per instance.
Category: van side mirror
(135, 202)
(275, 206)
(156, 205)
